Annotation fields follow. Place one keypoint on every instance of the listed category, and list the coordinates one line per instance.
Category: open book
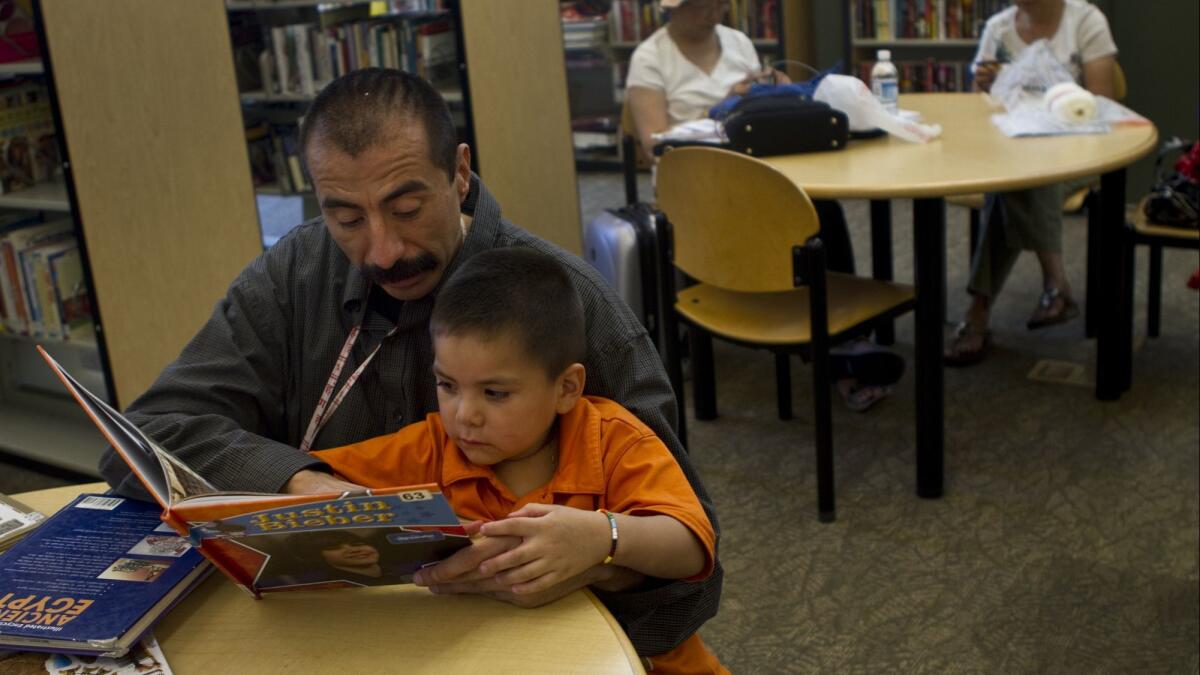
(274, 542)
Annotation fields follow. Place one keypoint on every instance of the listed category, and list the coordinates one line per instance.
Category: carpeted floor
(1067, 539)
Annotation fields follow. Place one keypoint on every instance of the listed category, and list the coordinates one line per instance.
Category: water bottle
(885, 81)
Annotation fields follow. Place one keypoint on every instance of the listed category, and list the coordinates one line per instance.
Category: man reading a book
(577, 480)
(323, 340)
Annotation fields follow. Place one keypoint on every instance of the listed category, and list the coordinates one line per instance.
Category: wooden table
(973, 156)
(387, 629)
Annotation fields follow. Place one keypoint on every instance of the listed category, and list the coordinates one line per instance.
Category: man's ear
(462, 171)
(569, 387)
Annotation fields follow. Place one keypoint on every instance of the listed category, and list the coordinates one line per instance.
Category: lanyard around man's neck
(326, 405)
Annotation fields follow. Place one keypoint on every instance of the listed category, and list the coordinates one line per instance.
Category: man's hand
(557, 543)
(463, 565)
(309, 482)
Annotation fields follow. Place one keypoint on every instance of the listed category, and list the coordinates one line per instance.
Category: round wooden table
(972, 155)
(218, 627)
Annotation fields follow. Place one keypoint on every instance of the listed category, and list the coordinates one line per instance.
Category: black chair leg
(1154, 303)
(783, 384)
(809, 262)
(704, 380)
(1092, 289)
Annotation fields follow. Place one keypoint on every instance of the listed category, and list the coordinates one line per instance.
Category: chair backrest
(631, 154)
(1120, 85)
(735, 218)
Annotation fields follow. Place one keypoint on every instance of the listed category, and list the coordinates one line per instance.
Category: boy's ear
(570, 387)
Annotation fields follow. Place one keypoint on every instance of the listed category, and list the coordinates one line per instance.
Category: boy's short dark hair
(515, 291)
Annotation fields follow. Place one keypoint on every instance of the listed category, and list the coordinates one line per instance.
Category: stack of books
(16, 521)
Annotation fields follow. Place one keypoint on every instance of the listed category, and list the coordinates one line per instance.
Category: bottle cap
(884, 55)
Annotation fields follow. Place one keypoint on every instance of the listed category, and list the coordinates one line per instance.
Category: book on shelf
(41, 280)
(929, 75)
(94, 577)
(28, 142)
(886, 20)
(16, 521)
(275, 542)
(300, 59)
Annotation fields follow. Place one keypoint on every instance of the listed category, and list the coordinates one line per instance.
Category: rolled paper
(1070, 103)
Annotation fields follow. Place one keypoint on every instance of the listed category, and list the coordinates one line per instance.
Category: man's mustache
(402, 269)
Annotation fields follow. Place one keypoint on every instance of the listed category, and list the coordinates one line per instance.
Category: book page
(165, 477)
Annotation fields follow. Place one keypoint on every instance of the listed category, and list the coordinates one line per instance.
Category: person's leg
(839, 251)
(848, 362)
(991, 264)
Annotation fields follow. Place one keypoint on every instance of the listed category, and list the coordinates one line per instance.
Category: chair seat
(971, 201)
(782, 318)
(1144, 227)
(1072, 203)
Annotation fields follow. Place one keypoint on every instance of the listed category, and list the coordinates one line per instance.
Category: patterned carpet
(1067, 540)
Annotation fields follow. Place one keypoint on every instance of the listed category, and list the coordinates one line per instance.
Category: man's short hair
(520, 292)
(353, 112)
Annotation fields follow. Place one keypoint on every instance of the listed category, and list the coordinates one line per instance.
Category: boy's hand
(557, 544)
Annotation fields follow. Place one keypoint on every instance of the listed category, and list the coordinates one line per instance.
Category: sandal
(957, 354)
(867, 363)
(861, 398)
(1045, 315)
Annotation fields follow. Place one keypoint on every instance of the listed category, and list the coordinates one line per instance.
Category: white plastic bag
(865, 113)
(1027, 79)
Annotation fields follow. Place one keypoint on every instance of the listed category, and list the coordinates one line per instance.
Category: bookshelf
(161, 233)
(932, 41)
(507, 64)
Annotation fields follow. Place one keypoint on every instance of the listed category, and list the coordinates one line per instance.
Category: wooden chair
(1156, 236)
(1084, 197)
(749, 237)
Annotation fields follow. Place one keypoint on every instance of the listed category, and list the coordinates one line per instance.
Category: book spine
(282, 67)
(51, 317)
(29, 290)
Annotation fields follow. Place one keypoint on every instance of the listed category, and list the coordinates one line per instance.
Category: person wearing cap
(680, 72)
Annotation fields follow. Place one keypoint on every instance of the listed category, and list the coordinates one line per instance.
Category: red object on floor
(1194, 280)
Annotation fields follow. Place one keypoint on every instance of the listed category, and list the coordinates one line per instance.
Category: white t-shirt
(1083, 36)
(658, 64)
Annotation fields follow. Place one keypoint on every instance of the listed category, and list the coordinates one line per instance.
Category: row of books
(274, 151)
(926, 76)
(636, 20)
(28, 143)
(921, 19)
(43, 292)
(300, 59)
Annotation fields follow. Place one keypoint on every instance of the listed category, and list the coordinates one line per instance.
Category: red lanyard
(325, 406)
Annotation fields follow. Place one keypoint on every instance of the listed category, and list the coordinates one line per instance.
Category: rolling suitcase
(619, 243)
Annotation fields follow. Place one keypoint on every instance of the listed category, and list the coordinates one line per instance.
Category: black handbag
(777, 125)
(785, 125)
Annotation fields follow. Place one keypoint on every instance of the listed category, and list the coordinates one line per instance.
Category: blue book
(94, 577)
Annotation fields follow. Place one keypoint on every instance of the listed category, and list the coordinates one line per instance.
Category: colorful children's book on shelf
(274, 542)
(93, 578)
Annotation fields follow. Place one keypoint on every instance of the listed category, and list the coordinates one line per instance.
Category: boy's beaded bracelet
(612, 549)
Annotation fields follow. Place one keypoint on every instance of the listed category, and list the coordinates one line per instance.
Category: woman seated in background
(1031, 219)
(677, 75)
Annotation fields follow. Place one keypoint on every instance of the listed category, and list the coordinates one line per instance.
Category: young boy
(578, 479)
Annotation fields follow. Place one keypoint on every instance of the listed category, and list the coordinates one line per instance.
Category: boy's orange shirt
(608, 459)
